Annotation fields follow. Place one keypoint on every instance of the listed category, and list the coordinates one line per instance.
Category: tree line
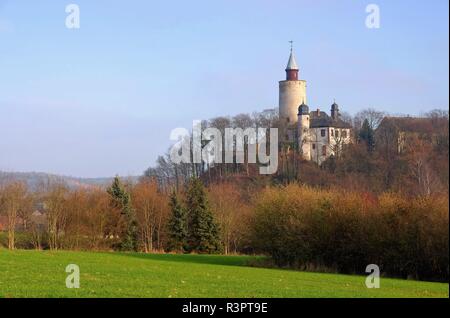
(124, 217)
(298, 226)
(371, 161)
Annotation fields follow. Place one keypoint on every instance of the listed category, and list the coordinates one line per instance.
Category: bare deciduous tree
(373, 116)
(151, 208)
(12, 203)
(230, 212)
(55, 210)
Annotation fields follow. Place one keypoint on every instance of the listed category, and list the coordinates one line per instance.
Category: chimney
(318, 112)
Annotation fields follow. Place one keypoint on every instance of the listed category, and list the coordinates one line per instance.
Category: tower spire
(292, 68)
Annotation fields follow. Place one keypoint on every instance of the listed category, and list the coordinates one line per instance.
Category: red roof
(3, 222)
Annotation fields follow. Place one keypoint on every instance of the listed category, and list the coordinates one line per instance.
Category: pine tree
(177, 224)
(367, 135)
(203, 230)
(120, 199)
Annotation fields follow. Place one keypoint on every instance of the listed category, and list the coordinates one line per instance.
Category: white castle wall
(330, 141)
(304, 136)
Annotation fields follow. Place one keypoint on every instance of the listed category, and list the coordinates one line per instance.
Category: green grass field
(42, 274)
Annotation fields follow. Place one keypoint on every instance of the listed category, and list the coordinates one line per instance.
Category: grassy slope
(42, 274)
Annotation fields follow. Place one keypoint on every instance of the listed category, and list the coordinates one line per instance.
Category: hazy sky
(102, 100)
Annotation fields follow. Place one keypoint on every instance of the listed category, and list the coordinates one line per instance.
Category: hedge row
(344, 232)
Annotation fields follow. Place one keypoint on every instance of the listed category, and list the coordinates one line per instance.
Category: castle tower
(292, 93)
(335, 111)
(304, 138)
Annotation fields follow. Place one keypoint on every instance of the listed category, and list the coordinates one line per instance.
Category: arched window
(344, 134)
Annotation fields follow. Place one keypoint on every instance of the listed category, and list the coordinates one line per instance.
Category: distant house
(37, 219)
(400, 130)
(4, 223)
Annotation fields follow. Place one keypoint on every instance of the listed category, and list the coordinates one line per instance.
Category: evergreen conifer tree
(367, 135)
(204, 236)
(177, 224)
(121, 200)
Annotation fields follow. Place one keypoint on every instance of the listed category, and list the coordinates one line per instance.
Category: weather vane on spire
(292, 43)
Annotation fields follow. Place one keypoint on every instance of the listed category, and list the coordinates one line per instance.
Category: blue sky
(102, 100)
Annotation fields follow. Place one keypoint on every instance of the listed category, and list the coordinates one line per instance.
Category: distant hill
(36, 179)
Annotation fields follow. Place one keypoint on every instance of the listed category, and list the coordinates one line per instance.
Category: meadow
(27, 273)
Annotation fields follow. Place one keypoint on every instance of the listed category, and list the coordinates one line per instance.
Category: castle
(315, 135)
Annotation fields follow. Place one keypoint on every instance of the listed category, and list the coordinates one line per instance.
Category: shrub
(345, 231)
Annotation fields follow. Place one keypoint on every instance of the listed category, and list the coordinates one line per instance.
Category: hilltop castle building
(315, 134)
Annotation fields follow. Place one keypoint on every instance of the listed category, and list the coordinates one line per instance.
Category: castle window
(332, 132)
(337, 133)
(344, 134)
(314, 146)
(322, 132)
(324, 150)
(287, 119)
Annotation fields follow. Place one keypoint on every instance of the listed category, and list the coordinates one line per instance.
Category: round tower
(303, 125)
(292, 92)
(335, 111)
